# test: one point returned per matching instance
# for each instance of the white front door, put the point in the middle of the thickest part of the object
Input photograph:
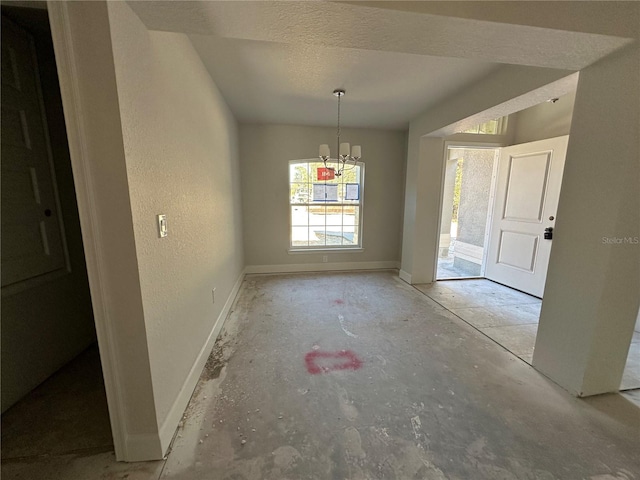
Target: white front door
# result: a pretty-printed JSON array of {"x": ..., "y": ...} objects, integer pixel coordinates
[
  {"x": 31, "y": 237},
  {"x": 526, "y": 201}
]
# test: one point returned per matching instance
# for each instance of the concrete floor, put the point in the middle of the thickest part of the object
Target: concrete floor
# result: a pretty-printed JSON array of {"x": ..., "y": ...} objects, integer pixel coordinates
[
  {"x": 447, "y": 270},
  {"x": 359, "y": 375},
  {"x": 509, "y": 317}
]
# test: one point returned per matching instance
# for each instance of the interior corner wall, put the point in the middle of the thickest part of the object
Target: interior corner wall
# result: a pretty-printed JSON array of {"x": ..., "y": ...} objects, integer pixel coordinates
[
  {"x": 181, "y": 148},
  {"x": 47, "y": 325},
  {"x": 592, "y": 293},
  {"x": 265, "y": 154},
  {"x": 84, "y": 57},
  {"x": 546, "y": 120},
  {"x": 421, "y": 233}
]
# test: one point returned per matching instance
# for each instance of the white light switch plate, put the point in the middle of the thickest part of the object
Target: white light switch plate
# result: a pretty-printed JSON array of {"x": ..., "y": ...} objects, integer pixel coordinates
[{"x": 162, "y": 226}]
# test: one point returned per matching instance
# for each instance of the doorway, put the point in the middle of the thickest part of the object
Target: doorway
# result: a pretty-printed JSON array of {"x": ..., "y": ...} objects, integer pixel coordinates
[
  {"x": 53, "y": 395},
  {"x": 469, "y": 178},
  {"x": 494, "y": 254}
]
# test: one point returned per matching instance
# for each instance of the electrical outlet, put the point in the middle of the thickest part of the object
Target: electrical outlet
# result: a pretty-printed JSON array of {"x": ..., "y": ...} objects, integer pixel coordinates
[
  {"x": 213, "y": 295},
  {"x": 325, "y": 258}
]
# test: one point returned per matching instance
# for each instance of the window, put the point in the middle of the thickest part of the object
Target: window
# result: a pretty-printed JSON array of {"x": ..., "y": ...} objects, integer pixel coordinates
[
  {"x": 492, "y": 127},
  {"x": 325, "y": 214}
]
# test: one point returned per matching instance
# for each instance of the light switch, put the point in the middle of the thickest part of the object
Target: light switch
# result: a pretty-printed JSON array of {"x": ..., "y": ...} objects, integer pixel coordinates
[{"x": 162, "y": 226}]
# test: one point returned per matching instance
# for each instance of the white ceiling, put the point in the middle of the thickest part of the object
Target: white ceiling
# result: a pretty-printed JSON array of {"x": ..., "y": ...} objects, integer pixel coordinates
[
  {"x": 268, "y": 82},
  {"x": 278, "y": 62}
]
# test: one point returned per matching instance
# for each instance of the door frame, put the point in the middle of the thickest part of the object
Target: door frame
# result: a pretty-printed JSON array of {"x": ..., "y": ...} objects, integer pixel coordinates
[
  {"x": 449, "y": 144},
  {"x": 72, "y": 101}
]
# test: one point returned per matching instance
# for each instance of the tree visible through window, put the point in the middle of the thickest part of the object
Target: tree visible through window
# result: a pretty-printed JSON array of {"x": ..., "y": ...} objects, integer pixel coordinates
[
  {"x": 325, "y": 213},
  {"x": 492, "y": 127}
]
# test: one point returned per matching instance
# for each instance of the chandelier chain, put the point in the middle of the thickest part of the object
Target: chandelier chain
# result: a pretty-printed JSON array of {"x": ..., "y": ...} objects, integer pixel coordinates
[{"x": 339, "y": 97}]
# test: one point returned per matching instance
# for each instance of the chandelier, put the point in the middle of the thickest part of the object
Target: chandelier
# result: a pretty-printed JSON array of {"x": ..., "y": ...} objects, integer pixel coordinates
[{"x": 347, "y": 157}]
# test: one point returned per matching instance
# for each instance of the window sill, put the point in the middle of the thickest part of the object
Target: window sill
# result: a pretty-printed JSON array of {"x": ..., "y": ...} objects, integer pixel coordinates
[{"x": 297, "y": 251}]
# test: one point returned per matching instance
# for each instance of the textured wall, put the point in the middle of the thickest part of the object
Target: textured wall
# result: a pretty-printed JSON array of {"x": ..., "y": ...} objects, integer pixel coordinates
[
  {"x": 477, "y": 169},
  {"x": 46, "y": 326},
  {"x": 265, "y": 153},
  {"x": 546, "y": 120},
  {"x": 180, "y": 144}
]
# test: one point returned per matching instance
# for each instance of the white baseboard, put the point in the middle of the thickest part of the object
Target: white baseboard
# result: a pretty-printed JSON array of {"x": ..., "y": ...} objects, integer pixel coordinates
[
  {"x": 468, "y": 252},
  {"x": 142, "y": 447},
  {"x": 405, "y": 276},
  {"x": 170, "y": 423},
  {"x": 322, "y": 267}
]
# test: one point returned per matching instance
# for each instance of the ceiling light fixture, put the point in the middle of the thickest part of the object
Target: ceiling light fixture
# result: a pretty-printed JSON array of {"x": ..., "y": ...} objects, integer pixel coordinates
[{"x": 347, "y": 157}]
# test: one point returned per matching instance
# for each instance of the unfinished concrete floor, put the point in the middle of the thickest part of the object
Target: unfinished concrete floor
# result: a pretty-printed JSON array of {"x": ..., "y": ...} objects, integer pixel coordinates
[
  {"x": 509, "y": 317},
  {"x": 361, "y": 376}
]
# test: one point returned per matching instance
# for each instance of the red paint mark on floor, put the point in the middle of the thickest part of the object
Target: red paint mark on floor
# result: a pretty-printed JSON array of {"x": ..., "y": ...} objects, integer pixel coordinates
[
  {"x": 324, "y": 362},
  {"x": 338, "y": 301}
]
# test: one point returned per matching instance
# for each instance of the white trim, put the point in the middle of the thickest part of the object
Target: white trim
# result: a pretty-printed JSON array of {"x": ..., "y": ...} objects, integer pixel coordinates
[
  {"x": 468, "y": 252},
  {"x": 322, "y": 267},
  {"x": 405, "y": 276},
  {"x": 490, "y": 210},
  {"x": 460, "y": 143},
  {"x": 63, "y": 45},
  {"x": 141, "y": 446},
  {"x": 436, "y": 251},
  {"x": 453, "y": 144},
  {"x": 295, "y": 251},
  {"x": 170, "y": 424},
  {"x": 360, "y": 205}
]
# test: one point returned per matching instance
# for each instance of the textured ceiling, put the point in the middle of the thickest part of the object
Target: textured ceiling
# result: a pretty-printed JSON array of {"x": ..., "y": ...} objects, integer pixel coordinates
[
  {"x": 286, "y": 83},
  {"x": 278, "y": 62}
]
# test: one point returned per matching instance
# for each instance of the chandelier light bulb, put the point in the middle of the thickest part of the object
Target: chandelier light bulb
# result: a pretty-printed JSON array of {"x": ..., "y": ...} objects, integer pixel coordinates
[
  {"x": 324, "y": 151},
  {"x": 345, "y": 151},
  {"x": 356, "y": 151}
]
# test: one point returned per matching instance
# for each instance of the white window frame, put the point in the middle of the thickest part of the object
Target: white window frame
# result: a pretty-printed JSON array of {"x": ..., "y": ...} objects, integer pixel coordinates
[
  {"x": 295, "y": 249},
  {"x": 501, "y": 127}
]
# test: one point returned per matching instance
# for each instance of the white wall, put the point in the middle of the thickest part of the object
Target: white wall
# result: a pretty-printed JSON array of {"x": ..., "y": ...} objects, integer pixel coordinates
[
  {"x": 591, "y": 296},
  {"x": 180, "y": 142},
  {"x": 546, "y": 120},
  {"x": 266, "y": 151}
]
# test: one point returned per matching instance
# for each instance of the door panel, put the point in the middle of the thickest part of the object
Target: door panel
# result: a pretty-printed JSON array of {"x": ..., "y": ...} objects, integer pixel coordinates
[
  {"x": 518, "y": 250},
  {"x": 31, "y": 234},
  {"x": 526, "y": 200},
  {"x": 526, "y": 184}
]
